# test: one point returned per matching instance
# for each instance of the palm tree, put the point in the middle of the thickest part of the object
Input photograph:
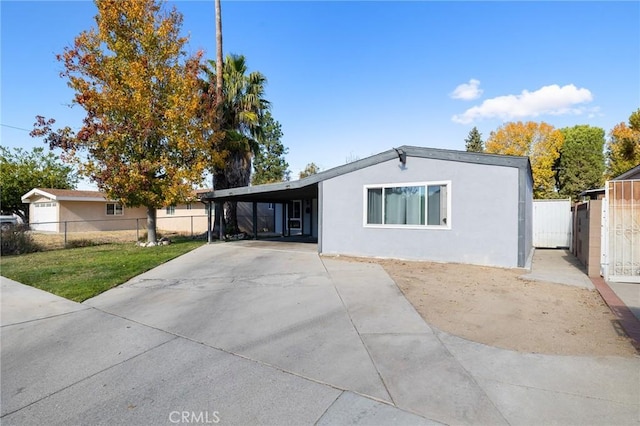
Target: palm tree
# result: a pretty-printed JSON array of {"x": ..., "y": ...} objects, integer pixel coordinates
[{"x": 239, "y": 116}]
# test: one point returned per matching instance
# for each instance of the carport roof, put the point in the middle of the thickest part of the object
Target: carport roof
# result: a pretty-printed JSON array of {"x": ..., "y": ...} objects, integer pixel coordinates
[{"x": 307, "y": 188}]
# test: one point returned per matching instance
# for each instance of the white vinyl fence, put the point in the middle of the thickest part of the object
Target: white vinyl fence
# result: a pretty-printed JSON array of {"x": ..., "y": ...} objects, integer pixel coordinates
[{"x": 552, "y": 223}]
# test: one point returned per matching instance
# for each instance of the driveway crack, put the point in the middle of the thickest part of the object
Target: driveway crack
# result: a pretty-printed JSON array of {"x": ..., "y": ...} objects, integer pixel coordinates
[{"x": 386, "y": 388}]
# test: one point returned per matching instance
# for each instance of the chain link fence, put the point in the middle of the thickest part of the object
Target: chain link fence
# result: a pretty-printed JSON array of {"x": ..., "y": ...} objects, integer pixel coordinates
[{"x": 79, "y": 233}]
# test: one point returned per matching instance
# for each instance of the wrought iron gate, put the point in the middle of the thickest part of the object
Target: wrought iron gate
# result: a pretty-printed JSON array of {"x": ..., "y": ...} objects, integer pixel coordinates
[{"x": 621, "y": 231}]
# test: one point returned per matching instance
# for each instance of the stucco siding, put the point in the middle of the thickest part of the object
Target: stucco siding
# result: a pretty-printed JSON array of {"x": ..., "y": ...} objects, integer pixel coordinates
[
  {"x": 83, "y": 216},
  {"x": 184, "y": 219},
  {"x": 483, "y": 216}
]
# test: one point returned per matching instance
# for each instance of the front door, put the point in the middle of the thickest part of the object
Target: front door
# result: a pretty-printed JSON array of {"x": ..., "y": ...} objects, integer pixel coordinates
[{"x": 295, "y": 217}]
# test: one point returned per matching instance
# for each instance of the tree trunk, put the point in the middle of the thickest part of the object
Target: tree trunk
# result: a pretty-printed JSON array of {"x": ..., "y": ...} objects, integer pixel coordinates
[
  {"x": 237, "y": 174},
  {"x": 151, "y": 225},
  {"x": 231, "y": 209},
  {"x": 218, "y": 227},
  {"x": 219, "y": 64}
]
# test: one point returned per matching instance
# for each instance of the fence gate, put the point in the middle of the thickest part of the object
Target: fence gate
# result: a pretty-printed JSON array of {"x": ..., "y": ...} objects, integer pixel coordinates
[
  {"x": 621, "y": 231},
  {"x": 551, "y": 223}
]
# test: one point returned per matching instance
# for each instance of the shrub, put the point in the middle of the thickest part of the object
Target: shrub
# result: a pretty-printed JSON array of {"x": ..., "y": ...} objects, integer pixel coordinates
[{"x": 17, "y": 240}]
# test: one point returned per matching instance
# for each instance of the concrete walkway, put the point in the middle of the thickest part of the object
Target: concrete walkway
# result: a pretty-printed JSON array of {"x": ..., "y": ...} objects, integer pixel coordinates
[
  {"x": 558, "y": 266},
  {"x": 265, "y": 333}
]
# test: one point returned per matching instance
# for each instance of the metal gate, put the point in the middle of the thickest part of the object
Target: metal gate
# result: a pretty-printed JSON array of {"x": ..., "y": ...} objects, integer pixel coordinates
[
  {"x": 552, "y": 223},
  {"x": 621, "y": 231}
]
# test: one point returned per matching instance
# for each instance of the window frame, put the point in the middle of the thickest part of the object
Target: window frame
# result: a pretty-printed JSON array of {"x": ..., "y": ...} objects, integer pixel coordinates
[
  {"x": 115, "y": 209},
  {"x": 170, "y": 211},
  {"x": 425, "y": 184}
]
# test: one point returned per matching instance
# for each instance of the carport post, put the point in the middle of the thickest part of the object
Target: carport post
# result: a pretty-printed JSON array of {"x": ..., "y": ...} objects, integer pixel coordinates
[
  {"x": 137, "y": 230},
  {"x": 284, "y": 218},
  {"x": 255, "y": 220},
  {"x": 65, "y": 234},
  {"x": 221, "y": 209},
  {"x": 209, "y": 223}
]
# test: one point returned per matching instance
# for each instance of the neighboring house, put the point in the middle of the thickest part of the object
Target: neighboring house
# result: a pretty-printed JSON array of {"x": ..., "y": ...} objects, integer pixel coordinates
[
  {"x": 410, "y": 203},
  {"x": 190, "y": 218},
  {"x": 83, "y": 211},
  {"x": 607, "y": 229}
]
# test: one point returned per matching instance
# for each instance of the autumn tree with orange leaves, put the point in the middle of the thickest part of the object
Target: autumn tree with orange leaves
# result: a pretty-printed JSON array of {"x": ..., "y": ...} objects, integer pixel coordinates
[
  {"x": 623, "y": 147},
  {"x": 541, "y": 142},
  {"x": 140, "y": 141}
]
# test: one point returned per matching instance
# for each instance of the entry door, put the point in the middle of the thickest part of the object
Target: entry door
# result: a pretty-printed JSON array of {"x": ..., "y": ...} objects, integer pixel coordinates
[{"x": 295, "y": 217}]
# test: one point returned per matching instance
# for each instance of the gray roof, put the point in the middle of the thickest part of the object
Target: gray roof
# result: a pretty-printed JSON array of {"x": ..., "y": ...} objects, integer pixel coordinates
[
  {"x": 630, "y": 174},
  {"x": 307, "y": 187}
]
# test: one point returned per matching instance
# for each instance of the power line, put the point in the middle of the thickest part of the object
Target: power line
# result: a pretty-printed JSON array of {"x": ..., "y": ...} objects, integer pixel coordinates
[{"x": 14, "y": 127}]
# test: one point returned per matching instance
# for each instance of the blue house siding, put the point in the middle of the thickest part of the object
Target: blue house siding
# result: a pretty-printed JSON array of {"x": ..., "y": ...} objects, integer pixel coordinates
[{"x": 485, "y": 214}]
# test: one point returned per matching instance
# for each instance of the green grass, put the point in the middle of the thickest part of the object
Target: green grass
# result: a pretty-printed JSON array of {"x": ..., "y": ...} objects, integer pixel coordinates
[{"x": 81, "y": 273}]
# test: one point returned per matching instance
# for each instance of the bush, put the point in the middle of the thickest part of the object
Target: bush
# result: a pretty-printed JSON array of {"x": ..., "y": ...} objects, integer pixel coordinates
[{"x": 17, "y": 240}]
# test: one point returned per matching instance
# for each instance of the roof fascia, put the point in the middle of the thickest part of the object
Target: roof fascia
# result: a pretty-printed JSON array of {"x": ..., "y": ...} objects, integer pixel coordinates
[
  {"x": 26, "y": 197},
  {"x": 628, "y": 173}
]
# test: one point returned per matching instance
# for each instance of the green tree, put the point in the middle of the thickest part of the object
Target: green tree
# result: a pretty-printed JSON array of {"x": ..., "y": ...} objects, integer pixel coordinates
[
  {"x": 310, "y": 169},
  {"x": 623, "y": 148},
  {"x": 581, "y": 162},
  {"x": 474, "y": 142},
  {"x": 21, "y": 171},
  {"x": 269, "y": 164},
  {"x": 139, "y": 141},
  {"x": 541, "y": 142}
]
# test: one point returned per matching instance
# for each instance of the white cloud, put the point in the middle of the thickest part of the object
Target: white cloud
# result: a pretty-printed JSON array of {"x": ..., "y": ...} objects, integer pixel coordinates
[
  {"x": 553, "y": 100},
  {"x": 467, "y": 91}
]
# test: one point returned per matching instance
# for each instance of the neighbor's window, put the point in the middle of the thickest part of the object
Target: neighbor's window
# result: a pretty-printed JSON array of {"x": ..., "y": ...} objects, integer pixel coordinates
[
  {"x": 189, "y": 207},
  {"x": 114, "y": 209},
  {"x": 171, "y": 210},
  {"x": 424, "y": 204}
]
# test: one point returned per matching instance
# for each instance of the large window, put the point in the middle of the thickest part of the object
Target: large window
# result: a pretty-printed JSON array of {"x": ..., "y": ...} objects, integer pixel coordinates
[
  {"x": 171, "y": 210},
  {"x": 114, "y": 209},
  {"x": 411, "y": 205}
]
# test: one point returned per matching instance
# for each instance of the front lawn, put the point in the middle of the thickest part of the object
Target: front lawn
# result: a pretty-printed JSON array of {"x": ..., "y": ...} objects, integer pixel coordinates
[{"x": 81, "y": 273}]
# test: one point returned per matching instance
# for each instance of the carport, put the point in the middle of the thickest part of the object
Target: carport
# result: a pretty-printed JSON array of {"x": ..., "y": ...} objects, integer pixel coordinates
[{"x": 296, "y": 204}]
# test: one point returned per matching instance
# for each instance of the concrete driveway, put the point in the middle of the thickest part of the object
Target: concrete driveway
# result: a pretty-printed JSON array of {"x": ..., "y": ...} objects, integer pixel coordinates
[{"x": 271, "y": 333}]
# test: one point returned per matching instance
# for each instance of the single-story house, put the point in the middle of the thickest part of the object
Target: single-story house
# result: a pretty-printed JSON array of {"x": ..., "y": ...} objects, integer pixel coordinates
[
  {"x": 51, "y": 210},
  {"x": 82, "y": 211},
  {"x": 410, "y": 203}
]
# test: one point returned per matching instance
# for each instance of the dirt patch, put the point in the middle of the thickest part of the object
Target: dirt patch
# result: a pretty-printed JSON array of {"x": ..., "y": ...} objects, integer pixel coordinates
[{"x": 495, "y": 307}]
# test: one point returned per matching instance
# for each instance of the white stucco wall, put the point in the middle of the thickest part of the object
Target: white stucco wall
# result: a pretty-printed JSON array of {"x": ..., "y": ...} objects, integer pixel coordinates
[{"x": 483, "y": 216}]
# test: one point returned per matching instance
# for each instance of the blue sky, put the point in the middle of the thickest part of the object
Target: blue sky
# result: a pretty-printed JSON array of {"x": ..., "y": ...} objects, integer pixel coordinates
[{"x": 351, "y": 79}]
